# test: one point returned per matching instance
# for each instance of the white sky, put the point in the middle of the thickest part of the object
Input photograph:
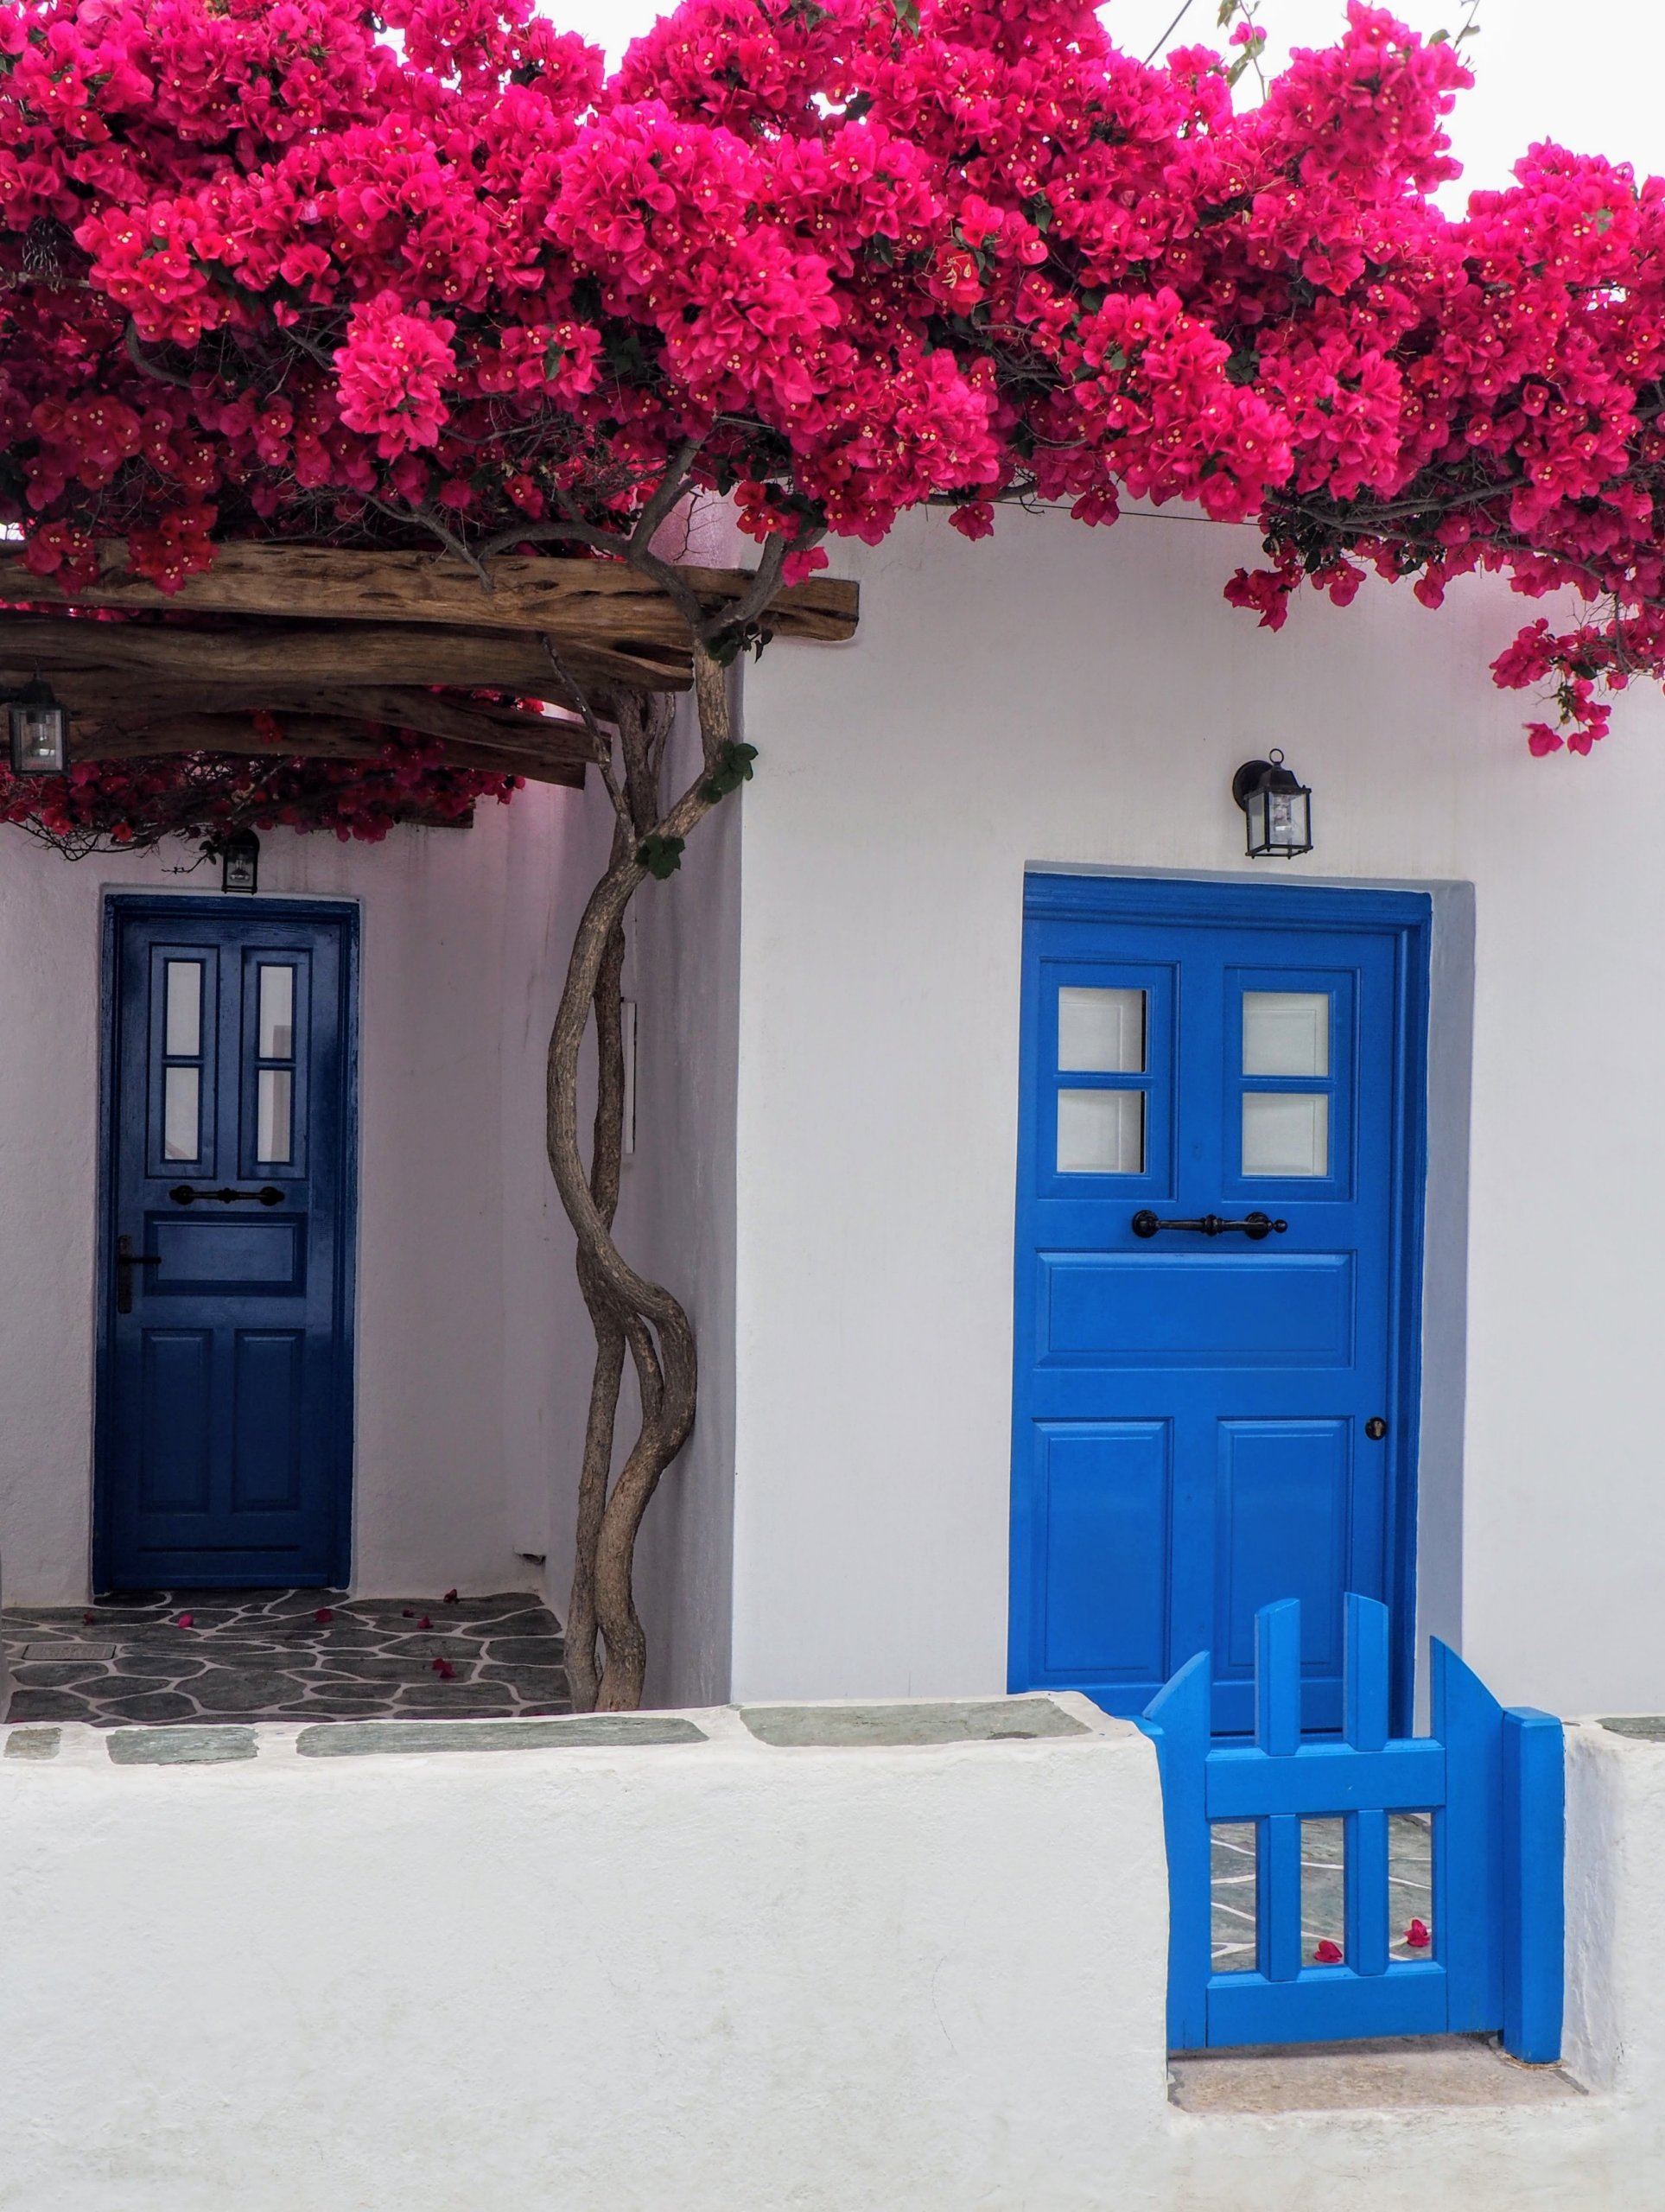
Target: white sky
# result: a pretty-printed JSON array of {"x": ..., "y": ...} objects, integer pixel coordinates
[{"x": 1586, "y": 73}]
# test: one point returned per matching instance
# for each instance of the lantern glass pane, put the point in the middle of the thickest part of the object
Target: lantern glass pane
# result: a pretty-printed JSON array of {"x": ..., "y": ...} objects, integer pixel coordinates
[
  {"x": 37, "y": 738},
  {"x": 1254, "y": 809},
  {"x": 1283, "y": 813}
]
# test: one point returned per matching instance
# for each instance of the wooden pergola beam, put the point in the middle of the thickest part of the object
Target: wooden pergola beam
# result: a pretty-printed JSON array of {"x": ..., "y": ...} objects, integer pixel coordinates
[
  {"x": 133, "y": 702},
  {"x": 592, "y": 603},
  {"x": 305, "y": 653},
  {"x": 304, "y": 737}
]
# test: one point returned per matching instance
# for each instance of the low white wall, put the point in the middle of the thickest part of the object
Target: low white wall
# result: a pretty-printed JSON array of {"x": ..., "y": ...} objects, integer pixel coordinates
[
  {"x": 714, "y": 1975},
  {"x": 466, "y": 1320},
  {"x": 1068, "y": 697}
]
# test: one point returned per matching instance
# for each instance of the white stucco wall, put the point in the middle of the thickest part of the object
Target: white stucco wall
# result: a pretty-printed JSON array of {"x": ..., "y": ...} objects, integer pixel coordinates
[
  {"x": 714, "y": 1975},
  {"x": 1078, "y": 698},
  {"x": 677, "y": 1217},
  {"x": 465, "y": 1319}
]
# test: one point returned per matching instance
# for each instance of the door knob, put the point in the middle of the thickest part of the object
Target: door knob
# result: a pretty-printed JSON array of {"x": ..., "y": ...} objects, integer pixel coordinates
[
  {"x": 1375, "y": 1428},
  {"x": 126, "y": 1260}
]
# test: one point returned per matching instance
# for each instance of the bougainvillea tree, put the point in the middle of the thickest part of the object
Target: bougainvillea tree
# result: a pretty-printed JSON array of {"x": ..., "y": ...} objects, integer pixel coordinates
[{"x": 426, "y": 278}]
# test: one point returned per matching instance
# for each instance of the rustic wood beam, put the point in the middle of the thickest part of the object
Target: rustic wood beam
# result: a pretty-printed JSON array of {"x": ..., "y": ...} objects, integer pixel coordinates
[
  {"x": 304, "y": 737},
  {"x": 117, "y": 696},
  {"x": 576, "y": 601},
  {"x": 304, "y": 653},
  {"x": 128, "y": 701}
]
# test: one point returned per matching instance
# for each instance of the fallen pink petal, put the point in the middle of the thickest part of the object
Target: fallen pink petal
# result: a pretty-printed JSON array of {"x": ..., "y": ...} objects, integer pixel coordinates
[
  {"x": 424, "y": 1621},
  {"x": 323, "y": 1616},
  {"x": 445, "y": 1670},
  {"x": 451, "y": 1596},
  {"x": 1417, "y": 1936},
  {"x": 1328, "y": 1954},
  {"x": 185, "y": 1620}
]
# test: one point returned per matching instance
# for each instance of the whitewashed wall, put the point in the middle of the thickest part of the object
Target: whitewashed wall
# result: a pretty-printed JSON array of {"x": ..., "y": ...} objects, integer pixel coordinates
[
  {"x": 466, "y": 1319},
  {"x": 713, "y": 1975},
  {"x": 1069, "y": 697}
]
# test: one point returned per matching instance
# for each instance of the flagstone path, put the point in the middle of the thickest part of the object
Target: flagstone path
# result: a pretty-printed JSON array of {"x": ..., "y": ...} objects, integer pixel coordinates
[{"x": 285, "y": 1654}]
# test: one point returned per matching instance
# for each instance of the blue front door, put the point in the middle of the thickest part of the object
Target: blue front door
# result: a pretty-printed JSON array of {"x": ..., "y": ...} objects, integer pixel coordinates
[
  {"x": 1217, "y": 1225},
  {"x": 225, "y": 1453}
]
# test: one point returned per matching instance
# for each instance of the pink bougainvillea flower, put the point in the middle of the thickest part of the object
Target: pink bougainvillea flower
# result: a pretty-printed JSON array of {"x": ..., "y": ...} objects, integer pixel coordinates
[
  {"x": 1328, "y": 1954},
  {"x": 1417, "y": 1936}
]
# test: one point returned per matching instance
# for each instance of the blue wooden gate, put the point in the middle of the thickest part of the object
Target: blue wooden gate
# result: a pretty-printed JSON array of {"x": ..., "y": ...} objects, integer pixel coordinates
[{"x": 1490, "y": 1779}]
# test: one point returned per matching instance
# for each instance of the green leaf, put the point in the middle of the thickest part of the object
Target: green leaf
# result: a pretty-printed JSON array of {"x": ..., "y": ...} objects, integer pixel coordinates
[
  {"x": 661, "y": 856},
  {"x": 908, "y": 13},
  {"x": 733, "y": 768}
]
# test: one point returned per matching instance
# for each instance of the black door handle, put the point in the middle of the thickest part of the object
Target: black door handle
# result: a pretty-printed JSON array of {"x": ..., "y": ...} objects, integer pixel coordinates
[
  {"x": 1255, "y": 1226},
  {"x": 186, "y": 1194},
  {"x": 126, "y": 1260}
]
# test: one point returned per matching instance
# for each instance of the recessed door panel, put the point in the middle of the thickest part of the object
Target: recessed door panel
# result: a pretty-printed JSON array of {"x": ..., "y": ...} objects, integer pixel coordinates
[
  {"x": 1217, "y": 1288},
  {"x": 1196, "y": 1309},
  {"x": 176, "y": 1419},
  {"x": 1281, "y": 1514},
  {"x": 225, "y": 1419},
  {"x": 269, "y": 1385},
  {"x": 1103, "y": 1533}
]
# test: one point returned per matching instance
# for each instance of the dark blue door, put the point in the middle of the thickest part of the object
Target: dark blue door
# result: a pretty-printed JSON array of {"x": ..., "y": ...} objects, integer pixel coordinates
[
  {"x": 225, "y": 1447},
  {"x": 1211, "y": 1417}
]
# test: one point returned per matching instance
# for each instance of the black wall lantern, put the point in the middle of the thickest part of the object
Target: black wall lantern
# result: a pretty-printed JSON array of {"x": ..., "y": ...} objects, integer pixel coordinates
[
  {"x": 39, "y": 731},
  {"x": 1279, "y": 808},
  {"x": 240, "y": 862}
]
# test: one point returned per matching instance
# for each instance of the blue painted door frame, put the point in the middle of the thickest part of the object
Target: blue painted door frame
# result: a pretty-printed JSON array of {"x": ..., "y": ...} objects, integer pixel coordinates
[
  {"x": 1198, "y": 1417},
  {"x": 224, "y": 1453}
]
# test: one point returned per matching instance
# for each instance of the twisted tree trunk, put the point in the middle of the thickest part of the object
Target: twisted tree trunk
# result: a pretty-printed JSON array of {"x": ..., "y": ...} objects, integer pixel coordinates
[{"x": 607, "y": 1648}]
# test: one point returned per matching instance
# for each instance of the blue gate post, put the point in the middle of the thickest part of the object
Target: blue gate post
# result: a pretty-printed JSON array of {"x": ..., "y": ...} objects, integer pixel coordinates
[
  {"x": 1534, "y": 1904},
  {"x": 1179, "y": 1719}
]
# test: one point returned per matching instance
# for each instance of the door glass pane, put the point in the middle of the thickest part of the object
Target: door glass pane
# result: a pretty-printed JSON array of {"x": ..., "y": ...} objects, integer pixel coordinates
[
  {"x": 1286, "y": 1133},
  {"x": 183, "y": 1024},
  {"x": 1286, "y": 1033},
  {"x": 1101, "y": 1132},
  {"x": 179, "y": 1090},
  {"x": 1099, "y": 1033},
  {"x": 276, "y": 1014},
  {"x": 272, "y": 1115}
]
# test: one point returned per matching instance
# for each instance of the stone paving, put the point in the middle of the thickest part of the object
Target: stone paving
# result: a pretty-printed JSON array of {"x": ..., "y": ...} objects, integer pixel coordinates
[
  {"x": 182, "y": 1657},
  {"x": 1410, "y": 1889}
]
